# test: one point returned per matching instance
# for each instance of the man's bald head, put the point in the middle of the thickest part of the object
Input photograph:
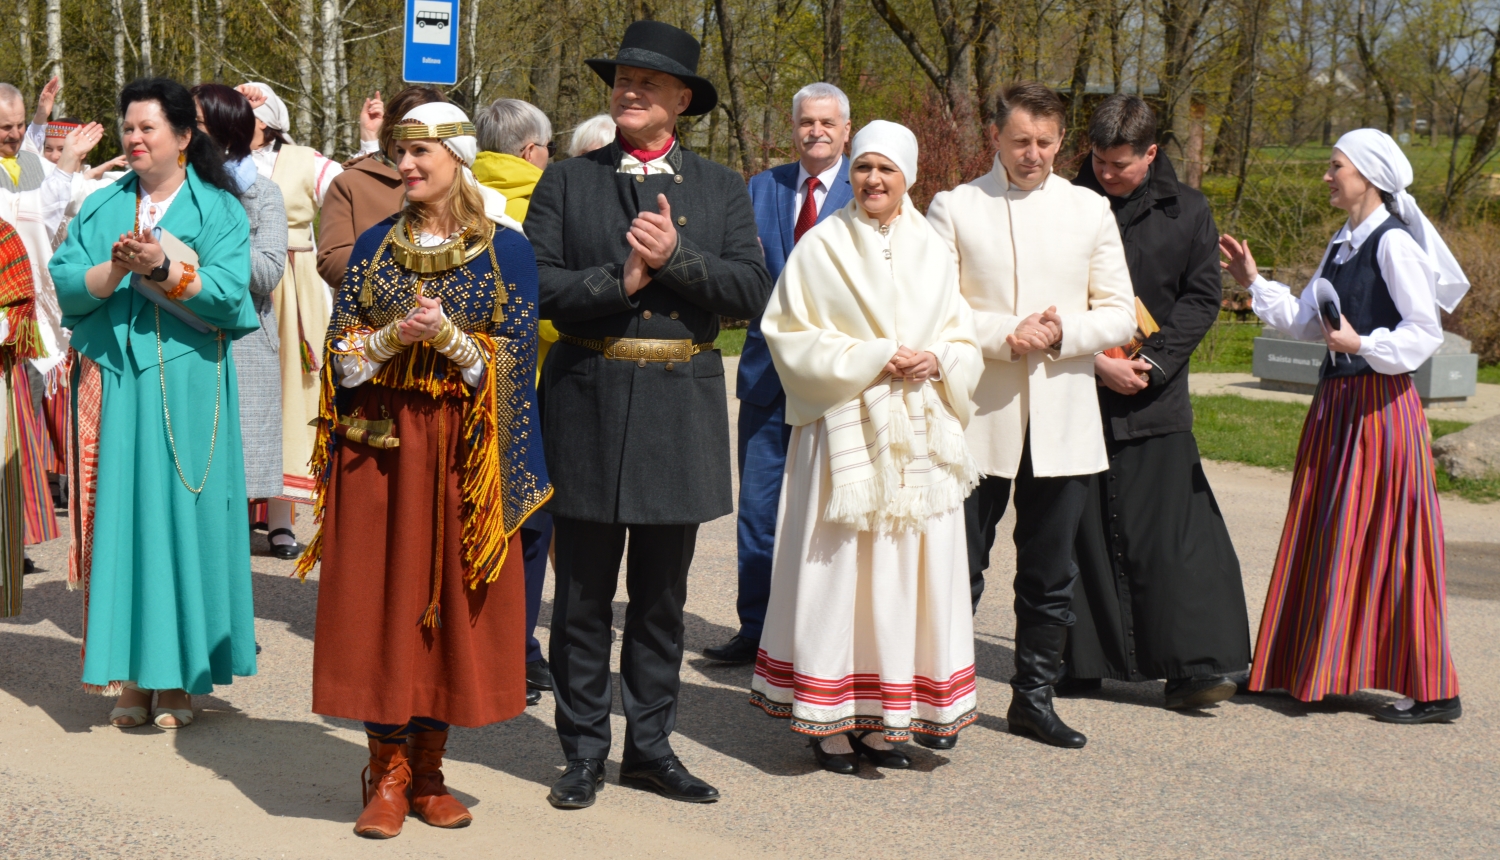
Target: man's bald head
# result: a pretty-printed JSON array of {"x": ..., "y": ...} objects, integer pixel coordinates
[{"x": 12, "y": 120}]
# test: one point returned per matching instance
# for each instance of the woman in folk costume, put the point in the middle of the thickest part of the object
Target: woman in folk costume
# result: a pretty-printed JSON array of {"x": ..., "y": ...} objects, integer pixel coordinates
[
  {"x": 20, "y": 340},
  {"x": 869, "y": 635},
  {"x": 154, "y": 281},
  {"x": 301, "y": 303},
  {"x": 429, "y": 421},
  {"x": 226, "y": 116},
  {"x": 1358, "y": 595}
]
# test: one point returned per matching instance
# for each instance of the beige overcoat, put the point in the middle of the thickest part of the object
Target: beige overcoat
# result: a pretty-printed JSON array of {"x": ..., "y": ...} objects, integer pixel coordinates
[{"x": 1020, "y": 252}]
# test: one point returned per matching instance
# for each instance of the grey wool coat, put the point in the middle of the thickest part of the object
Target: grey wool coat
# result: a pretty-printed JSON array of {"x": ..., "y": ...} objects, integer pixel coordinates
[
  {"x": 257, "y": 367},
  {"x": 625, "y": 442}
]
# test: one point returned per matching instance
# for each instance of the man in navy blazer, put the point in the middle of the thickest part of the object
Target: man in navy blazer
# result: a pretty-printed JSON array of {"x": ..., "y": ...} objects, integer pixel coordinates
[{"x": 788, "y": 201}]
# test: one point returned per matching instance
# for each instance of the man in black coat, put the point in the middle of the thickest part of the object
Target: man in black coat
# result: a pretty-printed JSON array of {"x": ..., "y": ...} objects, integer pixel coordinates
[
  {"x": 641, "y": 247},
  {"x": 1161, "y": 594}
]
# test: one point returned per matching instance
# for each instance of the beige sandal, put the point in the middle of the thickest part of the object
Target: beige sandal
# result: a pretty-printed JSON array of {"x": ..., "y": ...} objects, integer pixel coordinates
[
  {"x": 183, "y": 716},
  {"x": 133, "y": 717}
]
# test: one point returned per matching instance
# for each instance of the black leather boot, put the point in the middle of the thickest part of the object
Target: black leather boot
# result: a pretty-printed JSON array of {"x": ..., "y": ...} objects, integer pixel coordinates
[{"x": 1038, "y": 665}]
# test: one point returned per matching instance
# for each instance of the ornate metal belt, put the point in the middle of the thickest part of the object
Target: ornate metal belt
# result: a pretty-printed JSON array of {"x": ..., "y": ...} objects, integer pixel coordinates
[{"x": 640, "y": 349}]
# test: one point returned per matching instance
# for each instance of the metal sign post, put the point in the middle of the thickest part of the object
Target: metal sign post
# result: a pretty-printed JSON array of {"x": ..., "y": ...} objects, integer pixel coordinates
[{"x": 431, "y": 52}]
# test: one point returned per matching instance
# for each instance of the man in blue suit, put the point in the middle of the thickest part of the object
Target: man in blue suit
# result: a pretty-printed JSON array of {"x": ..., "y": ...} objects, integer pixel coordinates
[{"x": 788, "y": 200}]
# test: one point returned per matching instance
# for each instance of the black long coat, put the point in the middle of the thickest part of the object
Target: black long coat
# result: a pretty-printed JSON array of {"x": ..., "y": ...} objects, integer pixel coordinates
[
  {"x": 1172, "y": 249},
  {"x": 628, "y": 443}
]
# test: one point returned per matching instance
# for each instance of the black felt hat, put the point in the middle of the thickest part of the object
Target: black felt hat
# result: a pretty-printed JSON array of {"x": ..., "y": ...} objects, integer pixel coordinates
[{"x": 663, "y": 48}]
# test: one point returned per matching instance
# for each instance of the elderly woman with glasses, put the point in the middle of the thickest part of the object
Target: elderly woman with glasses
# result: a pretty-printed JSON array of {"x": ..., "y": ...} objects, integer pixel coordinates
[{"x": 427, "y": 463}]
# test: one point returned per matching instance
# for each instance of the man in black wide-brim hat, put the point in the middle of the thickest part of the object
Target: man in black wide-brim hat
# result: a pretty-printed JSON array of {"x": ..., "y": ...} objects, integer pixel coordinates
[{"x": 641, "y": 247}]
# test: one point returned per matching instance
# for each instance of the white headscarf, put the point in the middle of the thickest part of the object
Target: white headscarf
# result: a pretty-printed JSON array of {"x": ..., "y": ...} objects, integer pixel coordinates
[
  {"x": 273, "y": 111},
  {"x": 466, "y": 148},
  {"x": 1377, "y": 157},
  {"x": 892, "y": 140}
]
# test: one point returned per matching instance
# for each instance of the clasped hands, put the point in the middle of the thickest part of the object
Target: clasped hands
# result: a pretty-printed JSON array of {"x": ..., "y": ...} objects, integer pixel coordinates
[
  {"x": 907, "y": 363},
  {"x": 1240, "y": 264},
  {"x": 1036, "y": 332},
  {"x": 653, "y": 240},
  {"x": 422, "y": 322}
]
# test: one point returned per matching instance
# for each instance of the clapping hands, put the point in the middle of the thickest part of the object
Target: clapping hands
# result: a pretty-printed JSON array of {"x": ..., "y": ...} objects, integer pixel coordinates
[
  {"x": 138, "y": 252},
  {"x": 653, "y": 240}
]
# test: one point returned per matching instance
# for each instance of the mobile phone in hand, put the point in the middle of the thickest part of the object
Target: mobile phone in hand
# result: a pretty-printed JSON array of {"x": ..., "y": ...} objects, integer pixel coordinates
[{"x": 1331, "y": 314}]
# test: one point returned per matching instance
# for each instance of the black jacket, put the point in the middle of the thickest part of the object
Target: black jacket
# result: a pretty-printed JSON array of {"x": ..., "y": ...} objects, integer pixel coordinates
[
  {"x": 628, "y": 443},
  {"x": 1172, "y": 249}
]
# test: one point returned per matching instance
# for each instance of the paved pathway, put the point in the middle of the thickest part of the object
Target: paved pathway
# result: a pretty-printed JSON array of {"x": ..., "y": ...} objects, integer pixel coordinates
[{"x": 259, "y": 776}]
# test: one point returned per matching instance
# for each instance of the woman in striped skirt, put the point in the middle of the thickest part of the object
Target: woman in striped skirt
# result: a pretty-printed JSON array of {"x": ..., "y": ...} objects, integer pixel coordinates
[{"x": 1357, "y": 597}]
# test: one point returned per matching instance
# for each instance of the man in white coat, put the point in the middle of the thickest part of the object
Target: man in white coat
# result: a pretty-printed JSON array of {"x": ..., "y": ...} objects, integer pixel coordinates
[{"x": 1042, "y": 265}]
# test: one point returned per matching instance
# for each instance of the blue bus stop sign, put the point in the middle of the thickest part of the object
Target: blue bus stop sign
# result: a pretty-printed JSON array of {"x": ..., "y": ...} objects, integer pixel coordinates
[{"x": 431, "y": 54}]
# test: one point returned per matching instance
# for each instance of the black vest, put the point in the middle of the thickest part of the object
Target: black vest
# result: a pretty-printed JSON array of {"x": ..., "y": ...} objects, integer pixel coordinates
[{"x": 1364, "y": 298}]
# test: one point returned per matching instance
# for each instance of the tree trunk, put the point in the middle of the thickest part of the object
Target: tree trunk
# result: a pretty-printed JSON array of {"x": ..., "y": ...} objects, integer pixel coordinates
[
  {"x": 1364, "y": 46},
  {"x": 546, "y": 76},
  {"x": 1227, "y": 140},
  {"x": 1485, "y": 137},
  {"x": 986, "y": 58},
  {"x": 737, "y": 103},
  {"x": 833, "y": 41},
  {"x": 477, "y": 82},
  {"x": 145, "y": 55},
  {"x": 1079, "y": 82},
  {"x": 306, "y": 16},
  {"x": 332, "y": 36},
  {"x": 28, "y": 70},
  {"x": 218, "y": 39},
  {"x": 55, "y": 54},
  {"x": 954, "y": 79},
  {"x": 197, "y": 46},
  {"x": 1181, "y": 21},
  {"x": 117, "y": 13},
  {"x": 1248, "y": 126},
  {"x": 348, "y": 128}
]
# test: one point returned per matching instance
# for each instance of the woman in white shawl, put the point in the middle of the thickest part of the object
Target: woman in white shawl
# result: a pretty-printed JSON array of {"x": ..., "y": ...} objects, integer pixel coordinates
[{"x": 869, "y": 635}]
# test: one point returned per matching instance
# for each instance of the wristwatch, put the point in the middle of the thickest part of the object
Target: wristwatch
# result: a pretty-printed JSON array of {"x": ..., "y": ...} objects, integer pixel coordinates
[{"x": 159, "y": 273}]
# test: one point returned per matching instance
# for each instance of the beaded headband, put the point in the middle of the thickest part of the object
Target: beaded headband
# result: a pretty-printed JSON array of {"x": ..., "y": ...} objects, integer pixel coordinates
[
  {"x": 61, "y": 129},
  {"x": 412, "y": 130}
]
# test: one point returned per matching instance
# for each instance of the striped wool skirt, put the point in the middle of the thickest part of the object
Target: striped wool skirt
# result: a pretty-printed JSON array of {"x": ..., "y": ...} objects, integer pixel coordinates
[{"x": 1358, "y": 596}]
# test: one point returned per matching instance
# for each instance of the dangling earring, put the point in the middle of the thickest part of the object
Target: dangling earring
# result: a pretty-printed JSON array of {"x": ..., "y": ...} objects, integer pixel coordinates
[{"x": 182, "y": 159}]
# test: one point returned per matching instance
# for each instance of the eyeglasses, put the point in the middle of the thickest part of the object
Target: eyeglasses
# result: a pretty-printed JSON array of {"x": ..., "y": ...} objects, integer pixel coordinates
[{"x": 550, "y": 146}]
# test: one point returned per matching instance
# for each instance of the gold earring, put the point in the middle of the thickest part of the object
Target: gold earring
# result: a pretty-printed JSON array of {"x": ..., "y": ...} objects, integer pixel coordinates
[{"x": 182, "y": 159}]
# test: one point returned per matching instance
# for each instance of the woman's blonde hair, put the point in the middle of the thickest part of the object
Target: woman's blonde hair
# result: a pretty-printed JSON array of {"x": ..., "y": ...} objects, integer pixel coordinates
[{"x": 463, "y": 202}]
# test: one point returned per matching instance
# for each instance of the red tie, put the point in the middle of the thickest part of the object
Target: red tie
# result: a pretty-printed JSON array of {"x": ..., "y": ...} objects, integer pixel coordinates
[{"x": 809, "y": 214}]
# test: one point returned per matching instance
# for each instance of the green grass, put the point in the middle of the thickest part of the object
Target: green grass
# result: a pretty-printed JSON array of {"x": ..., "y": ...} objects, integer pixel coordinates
[
  {"x": 1265, "y": 433},
  {"x": 730, "y": 341},
  {"x": 1227, "y": 348},
  {"x": 1490, "y": 374}
]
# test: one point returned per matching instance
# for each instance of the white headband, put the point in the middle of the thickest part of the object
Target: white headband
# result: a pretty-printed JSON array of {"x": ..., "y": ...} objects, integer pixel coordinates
[{"x": 444, "y": 118}]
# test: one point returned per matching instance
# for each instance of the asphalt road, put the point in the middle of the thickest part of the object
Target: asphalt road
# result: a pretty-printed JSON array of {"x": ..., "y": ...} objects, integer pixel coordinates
[{"x": 258, "y": 775}]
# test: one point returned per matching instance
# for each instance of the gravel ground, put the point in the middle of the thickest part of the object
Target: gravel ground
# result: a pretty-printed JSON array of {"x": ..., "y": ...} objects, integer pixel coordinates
[{"x": 259, "y": 776}]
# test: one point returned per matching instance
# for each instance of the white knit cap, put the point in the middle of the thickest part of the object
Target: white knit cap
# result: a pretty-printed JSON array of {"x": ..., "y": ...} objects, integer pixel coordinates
[
  {"x": 892, "y": 140},
  {"x": 466, "y": 148},
  {"x": 273, "y": 111},
  {"x": 1380, "y": 160}
]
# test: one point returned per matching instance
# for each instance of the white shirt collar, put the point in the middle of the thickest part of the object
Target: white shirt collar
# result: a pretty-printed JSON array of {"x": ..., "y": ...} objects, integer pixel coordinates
[
  {"x": 825, "y": 179},
  {"x": 1358, "y": 235}
]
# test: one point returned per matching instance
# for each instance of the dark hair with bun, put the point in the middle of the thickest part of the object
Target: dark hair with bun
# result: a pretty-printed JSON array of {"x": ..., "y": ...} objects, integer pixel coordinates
[
  {"x": 182, "y": 114},
  {"x": 228, "y": 117}
]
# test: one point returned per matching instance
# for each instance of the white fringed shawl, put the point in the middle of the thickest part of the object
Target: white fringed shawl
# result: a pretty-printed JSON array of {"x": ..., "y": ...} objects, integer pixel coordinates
[{"x": 840, "y": 310}]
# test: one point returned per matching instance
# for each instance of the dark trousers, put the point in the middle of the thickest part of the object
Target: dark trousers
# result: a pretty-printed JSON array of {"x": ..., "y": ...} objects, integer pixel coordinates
[
  {"x": 587, "y": 572},
  {"x": 763, "y": 439},
  {"x": 1047, "y": 513},
  {"x": 536, "y": 538}
]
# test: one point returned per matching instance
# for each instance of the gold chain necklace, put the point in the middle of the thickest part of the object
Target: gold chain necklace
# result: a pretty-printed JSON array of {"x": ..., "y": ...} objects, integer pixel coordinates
[{"x": 161, "y": 368}]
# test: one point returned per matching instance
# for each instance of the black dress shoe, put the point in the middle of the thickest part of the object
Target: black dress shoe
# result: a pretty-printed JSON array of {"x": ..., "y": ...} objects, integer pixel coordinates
[
  {"x": 736, "y": 651},
  {"x": 285, "y": 551},
  {"x": 669, "y": 778},
  {"x": 893, "y": 758},
  {"x": 1435, "y": 711},
  {"x": 840, "y": 763},
  {"x": 1077, "y": 687},
  {"x": 538, "y": 675},
  {"x": 935, "y": 742},
  {"x": 533, "y": 697},
  {"x": 1198, "y": 692},
  {"x": 579, "y": 784},
  {"x": 29, "y": 566}
]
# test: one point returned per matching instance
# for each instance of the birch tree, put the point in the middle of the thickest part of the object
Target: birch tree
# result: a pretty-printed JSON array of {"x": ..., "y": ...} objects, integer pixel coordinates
[
  {"x": 305, "y": 19},
  {"x": 55, "y": 54},
  {"x": 28, "y": 69},
  {"x": 332, "y": 36},
  {"x": 145, "y": 52}
]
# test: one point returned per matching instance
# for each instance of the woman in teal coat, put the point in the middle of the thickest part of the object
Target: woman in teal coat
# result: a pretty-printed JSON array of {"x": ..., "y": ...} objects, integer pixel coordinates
[{"x": 159, "y": 538}]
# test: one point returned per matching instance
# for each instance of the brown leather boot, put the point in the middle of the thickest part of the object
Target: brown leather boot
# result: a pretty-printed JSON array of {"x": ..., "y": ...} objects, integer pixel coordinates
[
  {"x": 385, "y": 792},
  {"x": 429, "y": 797}
]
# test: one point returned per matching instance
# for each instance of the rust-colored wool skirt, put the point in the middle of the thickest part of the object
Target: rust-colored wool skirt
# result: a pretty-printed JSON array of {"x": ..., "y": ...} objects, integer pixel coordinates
[{"x": 373, "y": 659}]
